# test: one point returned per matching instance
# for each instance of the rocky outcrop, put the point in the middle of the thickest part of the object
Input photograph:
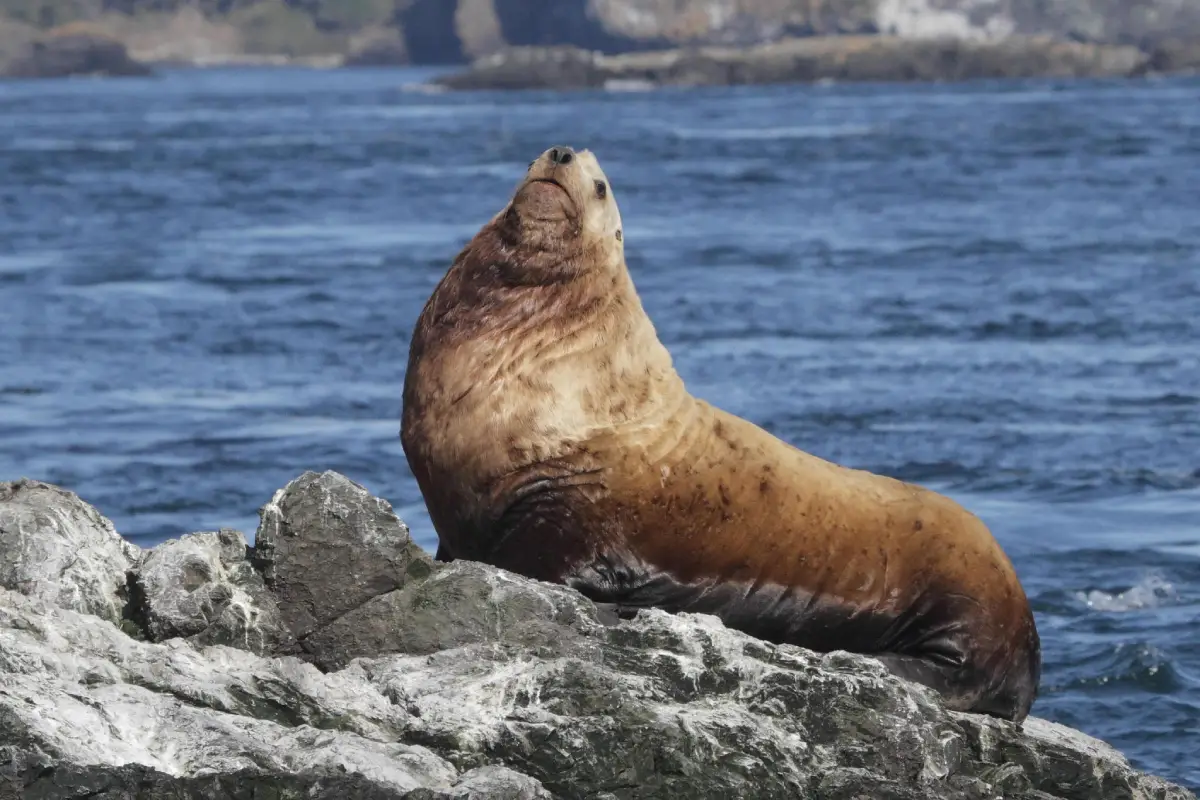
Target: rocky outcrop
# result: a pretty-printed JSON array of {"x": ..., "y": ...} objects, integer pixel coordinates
[
  {"x": 62, "y": 55},
  {"x": 404, "y": 678},
  {"x": 1177, "y": 54},
  {"x": 14, "y": 39},
  {"x": 328, "y": 548},
  {"x": 862, "y": 58},
  {"x": 202, "y": 588},
  {"x": 378, "y": 48},
  {"x": 384, "y": 32},
  {"x": 448, "y": 28},
  {"x": 55, "y": 547}
]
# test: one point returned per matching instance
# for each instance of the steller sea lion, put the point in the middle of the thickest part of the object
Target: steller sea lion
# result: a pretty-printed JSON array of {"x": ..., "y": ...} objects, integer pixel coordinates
[{"x": 551, "y": 436}]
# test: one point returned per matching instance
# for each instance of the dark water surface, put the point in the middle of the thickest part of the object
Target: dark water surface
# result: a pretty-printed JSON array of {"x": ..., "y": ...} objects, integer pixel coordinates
[{"x": 207, "y": 284}]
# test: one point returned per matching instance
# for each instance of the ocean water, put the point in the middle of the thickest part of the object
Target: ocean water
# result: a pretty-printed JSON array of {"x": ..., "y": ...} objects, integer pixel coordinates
[{"x": 208, "y": 281}]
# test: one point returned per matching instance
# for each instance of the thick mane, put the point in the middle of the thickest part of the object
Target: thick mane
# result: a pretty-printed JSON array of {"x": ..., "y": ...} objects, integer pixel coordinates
[{"x": 498, "y": 283}]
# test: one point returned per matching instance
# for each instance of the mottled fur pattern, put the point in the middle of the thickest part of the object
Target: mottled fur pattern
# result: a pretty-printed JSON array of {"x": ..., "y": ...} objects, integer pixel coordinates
[{"x": 550, "y": 435}]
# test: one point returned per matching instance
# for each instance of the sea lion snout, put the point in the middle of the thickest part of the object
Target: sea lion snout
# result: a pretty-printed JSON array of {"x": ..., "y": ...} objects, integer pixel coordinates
[
  {"x": 548, "y": 191},
  {"x": 561, "y": 155}
]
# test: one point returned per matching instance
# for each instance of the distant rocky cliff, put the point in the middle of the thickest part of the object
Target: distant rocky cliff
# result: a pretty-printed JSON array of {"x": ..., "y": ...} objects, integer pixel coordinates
[
  {"x": 612, "y": 26},
  {"x": 456, "y": 31}
]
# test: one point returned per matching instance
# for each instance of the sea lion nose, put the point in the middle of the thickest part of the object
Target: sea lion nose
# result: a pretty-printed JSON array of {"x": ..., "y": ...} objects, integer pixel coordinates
[{"x": 561, "y": 155}]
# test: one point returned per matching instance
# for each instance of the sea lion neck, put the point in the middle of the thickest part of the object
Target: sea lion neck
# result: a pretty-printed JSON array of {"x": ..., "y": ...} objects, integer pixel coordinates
[
  {"x": 526, "y": 250},
  {"x": 571, "y": 333},
  {"x": 503, "y": 282}
]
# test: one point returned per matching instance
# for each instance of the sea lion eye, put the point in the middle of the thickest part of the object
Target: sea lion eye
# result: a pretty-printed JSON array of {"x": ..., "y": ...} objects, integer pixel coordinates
[
  {"x": 619, "y": 236},
  {"x": 601, "y": 189}
]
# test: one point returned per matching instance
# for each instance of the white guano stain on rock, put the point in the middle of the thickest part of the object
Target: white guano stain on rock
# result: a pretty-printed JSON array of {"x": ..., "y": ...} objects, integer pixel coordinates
[
  {"x": 470, "y": 682},
  {"x": 59, "y": 548}
]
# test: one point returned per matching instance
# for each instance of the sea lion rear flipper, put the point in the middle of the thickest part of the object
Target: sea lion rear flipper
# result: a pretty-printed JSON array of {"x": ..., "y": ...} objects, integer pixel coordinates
[
  {"x": 961, "y": 687},
  {"x": 946, "y": 679}
]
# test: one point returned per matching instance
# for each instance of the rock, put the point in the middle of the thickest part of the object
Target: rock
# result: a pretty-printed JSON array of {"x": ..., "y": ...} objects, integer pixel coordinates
[
  {"x": 469, "y": 604},
  {"x": 58, "y": 56},
  {"x": 34, "y": 776},
  {"x": 1175, "y": 55},
  {"x": 848, "y": 58},
  {"x": 75, "y": 686},
  {"x": 185, "y": 37},
  {"x": 58, "y": 548},
  {"x": 14, "y": 39},
  {"x": 557, "y": 68},
  {"x": 325, "y": 547},
  {"x": 37, "y": 777},
  {"x": 380, "y": 48},
  {"x": 478, "y": 29},
  {"x": 201, "y": 587},
  {"x": 448, "y": 30},
  {"x": 429, "y": 31},
  {"x": 377, "y": 32},
  {"x": 1111, "y": 21},
  {"x": 464, "y": 681}
]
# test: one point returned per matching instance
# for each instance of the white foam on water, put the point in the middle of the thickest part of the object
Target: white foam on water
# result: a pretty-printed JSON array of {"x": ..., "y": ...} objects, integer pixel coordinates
[
  {"x": 773, "y": 133},
  {"x": 53, "y": 145},
  {"x": 628, "y": 85},
  {"x": 1151, "y": 592}
]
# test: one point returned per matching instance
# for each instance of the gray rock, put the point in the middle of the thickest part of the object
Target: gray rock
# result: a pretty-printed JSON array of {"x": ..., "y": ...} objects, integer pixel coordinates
[
  {"x": 384, "y": 49},
  {"x": 326, "y": 546},
  {"x": 59, "y": 56},
  {"x": 802, "y": 60},
  {"x": 75, "y": 686},
  {"x": 464, "y": 604},
  {"x": 679, "y": 706},
  {"x": 202, "y": 587},
  {"x": 464, "y": 681},
  {"x": 58, "y": 548},
  {"x": 35, "y": 776},
  {"x": 497, "y": 783},
  {"x": 1176, "y": 54},
  {"x": 450, "y": 31}
]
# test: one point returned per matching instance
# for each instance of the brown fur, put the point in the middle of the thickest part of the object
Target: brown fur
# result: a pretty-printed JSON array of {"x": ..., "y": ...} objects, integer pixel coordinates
[{"x": 550, "y": 435}]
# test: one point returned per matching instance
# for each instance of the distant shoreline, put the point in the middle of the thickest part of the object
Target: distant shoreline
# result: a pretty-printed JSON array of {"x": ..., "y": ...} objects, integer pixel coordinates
[
  {"x": 837, "y": 59},
  {"x": 800, "y": 61}
]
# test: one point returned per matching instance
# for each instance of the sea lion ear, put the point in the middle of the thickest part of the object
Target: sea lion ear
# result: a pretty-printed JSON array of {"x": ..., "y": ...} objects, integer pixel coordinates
[{"x": 620, "y": 237}]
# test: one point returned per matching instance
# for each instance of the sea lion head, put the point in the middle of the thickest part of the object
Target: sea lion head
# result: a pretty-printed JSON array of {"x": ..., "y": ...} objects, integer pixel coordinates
[{"x": 565, "y": 204}]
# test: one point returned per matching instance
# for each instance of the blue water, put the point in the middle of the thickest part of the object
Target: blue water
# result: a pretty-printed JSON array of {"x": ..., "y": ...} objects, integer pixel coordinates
[{"x": 208, "y": 280}]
